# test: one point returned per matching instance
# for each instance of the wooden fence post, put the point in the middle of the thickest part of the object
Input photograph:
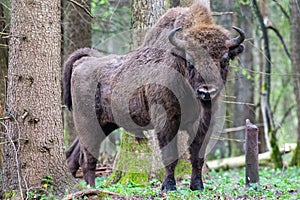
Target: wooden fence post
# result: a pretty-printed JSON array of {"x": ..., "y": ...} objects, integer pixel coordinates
[{"x": 251, "y": 153}]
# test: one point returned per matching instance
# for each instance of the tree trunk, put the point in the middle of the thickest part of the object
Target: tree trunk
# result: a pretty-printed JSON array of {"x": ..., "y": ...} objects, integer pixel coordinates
[
  {"x": 4, "y": 21},
  {"x": 223, "y": 149},
  {"x": 77, "y": 33},
  {"x": 266, "y": 90},
  {"x": 206, "y": 3},
  {"x": 174, "y": 3},
  {"x": 244, "y": 84},
  {"x": 295, "y": 41},
  {"x": 144, "y": 15},
  {"x": 35, "y": 143},
  {"x": 3, "y": 54}
]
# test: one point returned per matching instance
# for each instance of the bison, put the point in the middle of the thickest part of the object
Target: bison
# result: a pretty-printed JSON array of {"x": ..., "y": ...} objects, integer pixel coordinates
[{"x": 172, "y": 81}]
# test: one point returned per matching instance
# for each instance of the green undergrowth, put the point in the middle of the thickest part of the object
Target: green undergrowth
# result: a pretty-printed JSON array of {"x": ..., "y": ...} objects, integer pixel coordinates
[{"x": 274, "y": 184}]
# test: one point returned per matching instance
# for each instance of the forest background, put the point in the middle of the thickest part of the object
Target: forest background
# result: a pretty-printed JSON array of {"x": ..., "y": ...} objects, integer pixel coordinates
[{"x": 263, "y": 85}]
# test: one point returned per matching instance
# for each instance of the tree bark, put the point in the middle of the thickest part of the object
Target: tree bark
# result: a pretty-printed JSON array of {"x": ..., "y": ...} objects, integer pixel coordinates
[
  {"x": 3, "y": 53},
  {"x": 295, "y": 41},
  {"x": 225, "y": 148},
  {"x": 144, "y": 15},
  {"x": 77, "y": 33},
  {"x": 34, "y": 99},
  {"x": 4, "y": 21},
  {"x": 244, "y": 84}
]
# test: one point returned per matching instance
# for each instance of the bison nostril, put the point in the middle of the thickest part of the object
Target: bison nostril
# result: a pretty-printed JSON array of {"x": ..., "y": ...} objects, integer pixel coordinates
[
  {"x": 203, "y": 94},
  {"x": 206, "y": 94}
]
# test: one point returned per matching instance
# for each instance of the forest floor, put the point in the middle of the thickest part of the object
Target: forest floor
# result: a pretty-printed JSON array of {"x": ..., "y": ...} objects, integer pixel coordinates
[{"x": 227, "y": 185}]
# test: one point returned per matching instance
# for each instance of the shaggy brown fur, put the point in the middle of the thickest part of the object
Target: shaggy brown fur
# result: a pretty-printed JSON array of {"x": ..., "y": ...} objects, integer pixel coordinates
[{"x": 203, "y": 62}]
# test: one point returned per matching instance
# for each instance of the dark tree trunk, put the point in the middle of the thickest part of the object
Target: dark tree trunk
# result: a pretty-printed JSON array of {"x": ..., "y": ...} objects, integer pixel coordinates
[
  {"x": 4, "y": 21},
  {"x": 225, "y": 21},
  {"x": 244, "y": 84},
  {"x": 144, "y": 15},
  {"x": 266, "y": 90},
  {"x": 295, "y": 41},
  {"x": 3, "y": 54},
  {"x": 77, "y": 29}
]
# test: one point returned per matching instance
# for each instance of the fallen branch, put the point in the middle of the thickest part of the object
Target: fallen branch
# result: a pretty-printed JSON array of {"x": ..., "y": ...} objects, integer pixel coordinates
[
  {"x": 3, "y": 33},
  {"x": 94, "y": 192},
  {"x": 222, "y": 13},
  {"x": 239, "y": 161},
  {"x": 239, "y": 128},
  {"x": 99, "y": 172},
  {"x": 5, "y": 118}
]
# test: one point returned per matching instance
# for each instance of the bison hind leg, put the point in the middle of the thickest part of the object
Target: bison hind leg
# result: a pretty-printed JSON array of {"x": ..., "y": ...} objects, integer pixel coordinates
[
  {"x": 72, "y": 156},
  {"x": 78, "y": 156},
  {"x": 88, "y": 164}
]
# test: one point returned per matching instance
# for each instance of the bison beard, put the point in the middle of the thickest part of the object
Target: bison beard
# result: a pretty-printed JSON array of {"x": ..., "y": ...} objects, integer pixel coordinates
[{"x": 186, "y": 41}]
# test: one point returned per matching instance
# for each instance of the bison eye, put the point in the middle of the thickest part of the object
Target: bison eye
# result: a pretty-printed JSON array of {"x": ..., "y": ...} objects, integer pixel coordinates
[
  {"x": 190, "y": 65},
  {"x": 224, "y": 61},
  {"x": 190, "y": 68}
]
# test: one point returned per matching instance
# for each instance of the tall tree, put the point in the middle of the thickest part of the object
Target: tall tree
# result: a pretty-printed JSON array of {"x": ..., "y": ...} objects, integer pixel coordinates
[
  {"x": 3, "y": 51},
  {"x": 4, "y": 30},
  {"x": 144, "y": 15},
  {"x": 225, "y": 20},
  {"x": 77, "y": 33},
  {"x": 244, "y": 84},
  {"x": 269, "y": 126},
  {"x": 35, "y": 144},
  {"x": 295, "y": 41}
]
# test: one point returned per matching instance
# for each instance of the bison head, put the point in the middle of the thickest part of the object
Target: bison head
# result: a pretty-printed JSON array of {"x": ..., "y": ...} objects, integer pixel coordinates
[{"x": 207, "y": 51}]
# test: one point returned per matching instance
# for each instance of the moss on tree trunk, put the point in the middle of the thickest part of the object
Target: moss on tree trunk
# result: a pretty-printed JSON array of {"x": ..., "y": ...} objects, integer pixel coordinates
[
  {"x": 133, "y": 162},
  {"x": 275, "y": 155},
  {"x": 296, "y": 156},
  {"x": 295, "y": 48}
]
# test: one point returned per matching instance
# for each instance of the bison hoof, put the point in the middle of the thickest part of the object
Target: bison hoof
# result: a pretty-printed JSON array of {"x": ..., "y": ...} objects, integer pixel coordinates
[
  {"x": 196, "y": 187},
  {"x": 196, "y": 184},
  {"x": 169, "y": 185}
]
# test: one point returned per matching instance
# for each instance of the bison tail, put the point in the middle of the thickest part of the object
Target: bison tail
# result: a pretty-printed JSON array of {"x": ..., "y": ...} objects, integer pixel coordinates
[{"x": 68, "y": 68}]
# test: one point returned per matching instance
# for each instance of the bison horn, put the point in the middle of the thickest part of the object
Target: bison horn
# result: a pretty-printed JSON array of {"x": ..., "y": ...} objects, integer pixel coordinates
[
  {"x": 235, "y": 42},
  {"x": 175, "y": 41}
]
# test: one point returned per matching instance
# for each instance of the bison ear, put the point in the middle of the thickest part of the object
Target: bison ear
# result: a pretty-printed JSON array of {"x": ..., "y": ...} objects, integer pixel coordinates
[{"x": 234, "y": 52}]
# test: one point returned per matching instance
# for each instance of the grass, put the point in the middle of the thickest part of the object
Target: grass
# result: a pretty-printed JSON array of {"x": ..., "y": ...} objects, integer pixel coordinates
[{"x": 274, "y": 184}]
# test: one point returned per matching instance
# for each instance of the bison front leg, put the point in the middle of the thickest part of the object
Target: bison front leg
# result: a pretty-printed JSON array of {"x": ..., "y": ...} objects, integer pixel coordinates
[
  {"x": 197, "y": 160},
  {"x": 168, "y": 144}
]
